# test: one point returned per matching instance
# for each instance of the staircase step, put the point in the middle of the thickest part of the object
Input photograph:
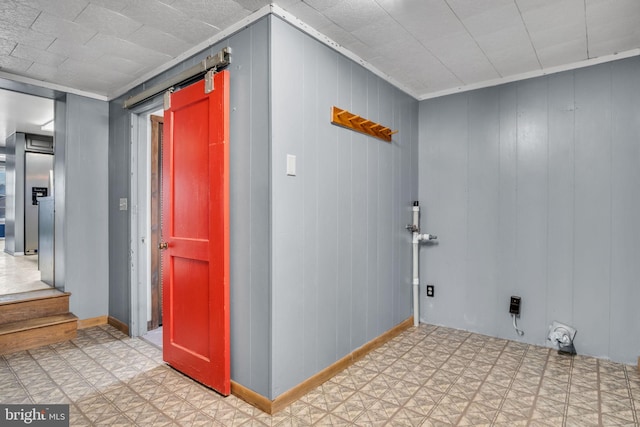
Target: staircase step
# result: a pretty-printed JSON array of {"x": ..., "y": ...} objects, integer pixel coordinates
[
  {"x": 34, "y": 304},
  {"x": 41, "y": 331}
]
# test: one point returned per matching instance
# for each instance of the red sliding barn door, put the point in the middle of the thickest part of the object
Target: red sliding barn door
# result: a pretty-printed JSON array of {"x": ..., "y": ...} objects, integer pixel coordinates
[{"x": 195, "y": 233}]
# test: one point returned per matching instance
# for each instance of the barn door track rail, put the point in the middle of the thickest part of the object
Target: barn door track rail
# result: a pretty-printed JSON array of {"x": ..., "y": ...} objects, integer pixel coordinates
[
  {"x": 354, "y": 122},
  {"x": 213, "y": 62}
]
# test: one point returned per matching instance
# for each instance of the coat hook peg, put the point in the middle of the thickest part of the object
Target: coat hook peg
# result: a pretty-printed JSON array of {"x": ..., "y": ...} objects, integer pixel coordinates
[{"x": 357, "y": 123}]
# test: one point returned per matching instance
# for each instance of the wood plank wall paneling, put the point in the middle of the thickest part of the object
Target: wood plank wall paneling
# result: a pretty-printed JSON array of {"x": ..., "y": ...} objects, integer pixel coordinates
[
  {"x": 532, "y": 190},
  {"x": 341, "y": 255}
]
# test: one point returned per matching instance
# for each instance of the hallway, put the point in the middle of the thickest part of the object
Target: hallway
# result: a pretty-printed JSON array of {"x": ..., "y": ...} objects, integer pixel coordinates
[
  {"x": 19, "y": 273},
  {"x": 426, "y": 376}
]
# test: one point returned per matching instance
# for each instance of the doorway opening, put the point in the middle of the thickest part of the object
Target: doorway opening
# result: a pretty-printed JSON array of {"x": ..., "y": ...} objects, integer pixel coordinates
[
  {"x": 146, "y": 158},
  {"x": 26, "y": 192}
]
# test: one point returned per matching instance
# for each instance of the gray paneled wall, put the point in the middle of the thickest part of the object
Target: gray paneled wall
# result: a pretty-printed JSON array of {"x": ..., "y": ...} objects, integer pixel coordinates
[
  {"x": 249, "y": 203},
  {"x": 83, "y": 230},
  {"x": 341, "y": 256},
  {"x": 532, "y": 188}
]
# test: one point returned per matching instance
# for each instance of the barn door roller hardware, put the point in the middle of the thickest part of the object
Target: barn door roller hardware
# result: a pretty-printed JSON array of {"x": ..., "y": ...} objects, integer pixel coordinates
[
  {"x": 213, "y": 62},
  {"x": 352, "y": 121}
]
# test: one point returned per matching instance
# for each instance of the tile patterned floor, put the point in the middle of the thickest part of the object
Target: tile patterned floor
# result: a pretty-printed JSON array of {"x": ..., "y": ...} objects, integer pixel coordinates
[{"x": 430, "y": 376}]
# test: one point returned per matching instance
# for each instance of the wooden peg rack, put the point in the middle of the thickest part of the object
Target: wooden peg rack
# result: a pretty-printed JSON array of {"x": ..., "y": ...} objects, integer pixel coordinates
[{"x": 352, "y": 121}]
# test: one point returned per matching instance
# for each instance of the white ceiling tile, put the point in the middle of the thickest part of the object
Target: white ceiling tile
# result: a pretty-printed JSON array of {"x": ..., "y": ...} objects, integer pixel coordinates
[
  {"x": 382, "y": 32},
  {"x": 107, "y": 21},
  {"x": 253, "y": 5},
  {"x": 154, "y": 13},
  {"x": 509, "y": 38},
  {"x": 608, "y": 11},
  {"x": 219, "y": 13},
  {"x": 612, "y": 26},
  {"x": 613, "y": 46},
  {"x": 65, "y": 9},
  {"x": 465, "y": 9},
  {"x": 322, "y": 5},
  {"x": 425, "y": 19},
  {"x": 193, "y": 31},
  {"x": 461, "y": 54},
  {"x": 18, "y": 13},
  {"x": 73, "y": 50},
  {"x": 418, "y": 64},
  {"x": 121, "y": 65},
  {"x": 125, "y": 49},
  {"x": 531, "y": 5},
  {"x": 154, "y": 39},
  {"x": 496, "y": 19},
  {"x": 13, "y": 64},
  {"x": 553, "y": 15},
  {"x": 285, "y": 4},
  {"x": 115, "y": 5},
  {"x": 7, "y": 46},
  {"x": 352, "y": 15},
  {"x": 53, "y": 26},
  {"x": 24, "y": 35},
  {"x": 563, "y": 53},
  {"x": 42, "y": 71},
  {"x": 308, "y": 15},
  {"x": 513, "y": 61},
  {"x": 554, "y": 35},
  {"x": 37, "y": 55},
  {"x": 91, "y": 69}
]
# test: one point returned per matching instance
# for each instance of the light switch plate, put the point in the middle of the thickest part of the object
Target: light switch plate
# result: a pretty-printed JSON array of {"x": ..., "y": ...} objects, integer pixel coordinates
[
  {"x": 291, "y": 165},
  {"x": 124, "y": 204}
]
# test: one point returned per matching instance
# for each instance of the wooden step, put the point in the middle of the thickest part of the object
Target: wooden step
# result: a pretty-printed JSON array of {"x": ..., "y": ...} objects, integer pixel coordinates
[
  {"x": 37, "y": 332},
  {"x": 34, "y": 304}
]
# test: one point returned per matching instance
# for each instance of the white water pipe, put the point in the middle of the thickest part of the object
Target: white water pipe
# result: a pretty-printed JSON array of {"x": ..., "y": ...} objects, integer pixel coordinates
[{"x": 417, "y": 238}]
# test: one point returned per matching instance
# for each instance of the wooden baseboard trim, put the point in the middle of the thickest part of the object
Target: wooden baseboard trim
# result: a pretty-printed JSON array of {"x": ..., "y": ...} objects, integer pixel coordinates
[
  {"x": 94, "y": 321},
  {"x": 290, "y": 396},
  {"x": 122, "y": 327},
  {"x": 251, "y": 397}
]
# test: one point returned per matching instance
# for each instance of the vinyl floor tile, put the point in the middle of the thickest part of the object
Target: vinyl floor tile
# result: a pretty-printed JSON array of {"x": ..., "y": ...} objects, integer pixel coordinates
[{"x": 427, "y": 376}]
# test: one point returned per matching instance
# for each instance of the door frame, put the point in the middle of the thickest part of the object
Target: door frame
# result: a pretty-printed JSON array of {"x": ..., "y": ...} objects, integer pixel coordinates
[{"x": 140, "y": 217}]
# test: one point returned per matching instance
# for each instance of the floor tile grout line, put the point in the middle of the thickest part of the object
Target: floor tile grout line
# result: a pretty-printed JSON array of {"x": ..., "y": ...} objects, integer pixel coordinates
[
  {"x": 119, "y": 381},
  {"x": 633, "y": 405},
  {"x": 471, "y": 400},
  {"x": 17, "y": 378},
  {"x": 504, "y": 398},
  {"x": 413, "y": 345},
  {"x": 485, "y": 378},
  {"x": 96, "y": 389},
  {"x": 381, "y": 372},
  {"x": 568, "y": 393},
  {"x": 535, "y": 399},
  {"x": 469, "y": 334},
  {"x": 58, "y": 386},
  {"x": 599, "y": 393},
  {"x": 420, "y": 386}
]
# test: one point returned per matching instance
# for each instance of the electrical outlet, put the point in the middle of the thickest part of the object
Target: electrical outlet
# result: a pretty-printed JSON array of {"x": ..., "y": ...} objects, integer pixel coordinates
[
  {"x": 430, "y": 291},
  {"x": 514, "y": 306}
]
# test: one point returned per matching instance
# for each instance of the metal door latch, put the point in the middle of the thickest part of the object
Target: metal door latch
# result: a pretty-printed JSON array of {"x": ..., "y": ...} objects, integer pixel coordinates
[{"x": 163, "y": 245}]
